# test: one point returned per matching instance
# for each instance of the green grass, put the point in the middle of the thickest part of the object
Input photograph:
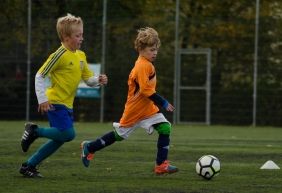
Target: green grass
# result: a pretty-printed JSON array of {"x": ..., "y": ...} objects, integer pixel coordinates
[{"x": 126, "y": 166}]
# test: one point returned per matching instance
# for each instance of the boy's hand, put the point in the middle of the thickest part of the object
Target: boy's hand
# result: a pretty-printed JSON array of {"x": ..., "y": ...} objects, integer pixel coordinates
[
  {"x": 103, "y": 79},
  {"x": 44, "y": 107}
]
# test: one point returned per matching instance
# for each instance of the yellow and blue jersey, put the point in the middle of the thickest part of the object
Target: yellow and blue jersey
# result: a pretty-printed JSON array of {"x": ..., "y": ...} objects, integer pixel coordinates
[{"x": 65, "y": 70}]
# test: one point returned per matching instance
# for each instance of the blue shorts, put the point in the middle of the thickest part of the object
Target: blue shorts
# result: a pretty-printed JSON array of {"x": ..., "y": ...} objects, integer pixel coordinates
[{"x": 60, "y": 117}]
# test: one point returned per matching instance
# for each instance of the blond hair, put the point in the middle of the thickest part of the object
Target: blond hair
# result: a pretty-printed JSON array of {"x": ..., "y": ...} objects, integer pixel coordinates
[
  {"x": 146, "y": 37},
  {"x": 66, "y": 24}
]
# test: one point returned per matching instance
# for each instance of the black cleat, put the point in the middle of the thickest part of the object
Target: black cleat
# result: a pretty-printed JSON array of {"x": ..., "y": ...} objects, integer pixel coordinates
[
  {"x": 29, "y": 171},
  {"x": 28, "y": 136}
]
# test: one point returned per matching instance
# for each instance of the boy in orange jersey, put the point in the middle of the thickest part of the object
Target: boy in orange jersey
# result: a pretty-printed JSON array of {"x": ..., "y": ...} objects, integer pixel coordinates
[{"x": 141, "y": 108}]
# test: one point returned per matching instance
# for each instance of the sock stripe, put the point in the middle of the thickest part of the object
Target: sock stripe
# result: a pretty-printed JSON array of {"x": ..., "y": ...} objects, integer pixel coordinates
[
  {"x": 102, "y": 142},
  {"x": 166, "y": 147}
]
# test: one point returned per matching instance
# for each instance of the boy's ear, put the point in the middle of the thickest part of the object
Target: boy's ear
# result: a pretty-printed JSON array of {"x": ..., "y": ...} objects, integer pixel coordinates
[{"x": 65, "y": 38}]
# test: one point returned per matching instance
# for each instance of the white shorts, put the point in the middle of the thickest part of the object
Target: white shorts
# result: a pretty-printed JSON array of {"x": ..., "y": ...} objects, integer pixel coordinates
[{"x": 146, "y": 124}]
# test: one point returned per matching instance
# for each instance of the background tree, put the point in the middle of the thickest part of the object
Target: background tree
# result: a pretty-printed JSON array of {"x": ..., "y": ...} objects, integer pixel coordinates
[{"x": 226, "y": 27}]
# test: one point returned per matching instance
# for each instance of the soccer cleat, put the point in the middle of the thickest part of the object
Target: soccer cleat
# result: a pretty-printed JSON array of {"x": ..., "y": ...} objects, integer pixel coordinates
[
  {"x": 29, "y": 171},
  {"x": 28, "y": 136},
  {"x": 165, "y": 168},
  {"x": 86, "y": 156}
]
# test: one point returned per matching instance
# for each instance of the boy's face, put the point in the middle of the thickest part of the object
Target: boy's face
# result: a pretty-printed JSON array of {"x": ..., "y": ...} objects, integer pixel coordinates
[
  {"x": 74, "y": 41},
  {"x": 150, "y": 53}
]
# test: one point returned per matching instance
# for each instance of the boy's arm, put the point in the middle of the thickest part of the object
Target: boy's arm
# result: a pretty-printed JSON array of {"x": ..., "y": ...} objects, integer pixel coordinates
[
  {"x": 40, "y": 89},
  {"x": 43, "y": 103},
  {"x": 159, "y": 100},
  {"x": 93, "y": 81}
]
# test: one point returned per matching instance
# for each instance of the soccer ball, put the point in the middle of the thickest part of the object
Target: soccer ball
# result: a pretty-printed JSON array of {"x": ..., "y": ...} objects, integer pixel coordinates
[{"x": 208, "y": 166}]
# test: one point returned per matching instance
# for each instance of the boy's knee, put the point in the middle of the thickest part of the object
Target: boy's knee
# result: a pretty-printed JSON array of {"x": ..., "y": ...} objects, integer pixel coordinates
[
  {"x": 117, "y": 137},
  {"x": 164, "y": 128},
  {"x": 70, "y": 135},
  {"x": 70, "y": 138}
]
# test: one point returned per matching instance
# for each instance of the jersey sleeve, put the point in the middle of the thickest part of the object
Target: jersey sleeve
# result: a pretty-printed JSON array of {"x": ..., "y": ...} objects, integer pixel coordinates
[
  {"x": 86, "y": 72},
  {"x": 40, "y": 89}
]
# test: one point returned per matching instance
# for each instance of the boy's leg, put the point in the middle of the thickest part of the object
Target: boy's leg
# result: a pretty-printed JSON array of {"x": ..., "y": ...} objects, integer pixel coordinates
[
  {"x": 162, "y": 164},
  {"x": 104, "y": 141},
  {"x": 44, "y": 151},
  {"x": 163, "y": 147},
  {"x": 90, "y": 147},
  {"x": 61, "y": 122},
  {"x": 29, "y": 136},
  {"x": 163, "y": 142},
  {"x": 32, "y": 132},
  {"x": 56, "y": 134},
  {"x": 58, "y": 138},
  {"x": 29, "y": 168}
]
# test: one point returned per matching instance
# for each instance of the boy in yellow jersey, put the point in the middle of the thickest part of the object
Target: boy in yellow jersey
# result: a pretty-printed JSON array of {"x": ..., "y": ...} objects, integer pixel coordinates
[
  {"x": 141, "y": 108},
  {"x": 66, "y": 67}
]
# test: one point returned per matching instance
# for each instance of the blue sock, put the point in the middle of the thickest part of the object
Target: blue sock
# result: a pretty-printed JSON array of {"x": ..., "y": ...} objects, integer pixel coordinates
[
  {"x": 43, "y": 152},
  {"x": 163, "y": 146},
  {"x": 102, "y": 142},
  {"x": 57, "y": 139},
  {"x": 56, "y": 134}
]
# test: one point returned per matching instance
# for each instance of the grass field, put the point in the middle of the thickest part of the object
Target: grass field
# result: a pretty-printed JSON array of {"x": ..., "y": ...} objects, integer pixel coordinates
[{"x": 126, "y": 166}]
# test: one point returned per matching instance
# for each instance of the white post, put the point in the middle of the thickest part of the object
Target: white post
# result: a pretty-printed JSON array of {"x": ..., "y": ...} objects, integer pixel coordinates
[
  {"x": 28, "y": 61},
  {"x": 255, "y": 64},
  {"x": 176, "y": 65},
  {"x": 103, "y": 62}
]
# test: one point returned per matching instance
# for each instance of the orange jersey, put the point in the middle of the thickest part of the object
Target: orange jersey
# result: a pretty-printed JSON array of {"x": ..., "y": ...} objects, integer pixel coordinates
[{"x": 141, "y": 84}]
